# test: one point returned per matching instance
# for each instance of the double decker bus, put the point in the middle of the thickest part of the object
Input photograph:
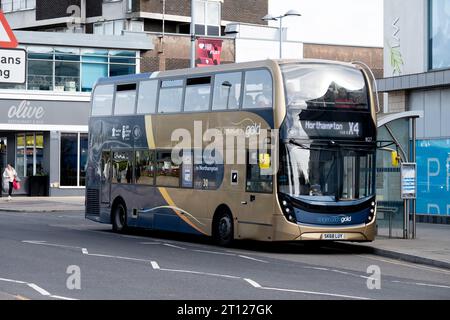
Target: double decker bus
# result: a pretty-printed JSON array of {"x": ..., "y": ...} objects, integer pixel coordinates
[{"x": 310, "y": 176}]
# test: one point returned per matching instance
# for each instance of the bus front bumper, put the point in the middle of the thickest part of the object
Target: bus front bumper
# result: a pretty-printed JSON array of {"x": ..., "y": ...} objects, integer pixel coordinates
[{"x": 287, "y": 231}]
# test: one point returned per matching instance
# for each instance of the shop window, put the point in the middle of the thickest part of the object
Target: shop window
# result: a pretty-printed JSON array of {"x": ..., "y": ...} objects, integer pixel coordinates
[
  {"x": 69, "y": 160},
  {"x": 167, "y": 172},
  {"x": 258, "y": 89},
  {"x": 145, "y": 167},
  {"x": 67, "y": 76},
  {"x": 83, "y": 158},
  {"x": 40, "y": 75},
  {"x": 30, "y": 154},
  {"x": 259, "y": 172},
  {"x": 227, "y": 91},
  {"x": 122, "y": 167},
  {"x": 147, "y": 97},
  {"x": 94, "y": 66},
  {"x": 121, "y": 69},
  {"x": 20, "y": 155},
  {"x": 73, "y": 69},
  {"x": 73, "y": 159},
  {"x": 125, "y": 99}
]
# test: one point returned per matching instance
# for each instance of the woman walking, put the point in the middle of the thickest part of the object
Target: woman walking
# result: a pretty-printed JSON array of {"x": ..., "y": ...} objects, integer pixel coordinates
[{"x": 8, "y": 176}]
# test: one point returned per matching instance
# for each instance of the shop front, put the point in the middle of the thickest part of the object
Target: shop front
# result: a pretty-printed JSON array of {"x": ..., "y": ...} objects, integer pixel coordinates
[{"x": 45, "y": 138}]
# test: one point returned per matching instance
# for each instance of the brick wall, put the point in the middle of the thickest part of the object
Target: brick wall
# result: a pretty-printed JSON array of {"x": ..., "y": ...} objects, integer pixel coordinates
[
  {"x": 373, "y": 57},
  {"x": 397, "y": 101},
  {"x": 174, "y": 7},
  {"x": 174, "y": 53},
  {"x": 250, "y": 11}
]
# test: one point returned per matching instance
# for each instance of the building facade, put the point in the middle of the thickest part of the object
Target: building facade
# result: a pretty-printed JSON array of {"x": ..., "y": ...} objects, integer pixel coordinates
[
  {"x": 167, "y": 22},
  {"x": 44, "y": 122},
  {"x": 70, "y": 44},
  {"x": 417, "y": 78}
]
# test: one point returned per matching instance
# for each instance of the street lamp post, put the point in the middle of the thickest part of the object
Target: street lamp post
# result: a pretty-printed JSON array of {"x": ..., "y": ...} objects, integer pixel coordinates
[
  {"x": 193, "y": 18},
  {"x": 290, "y": 13}
]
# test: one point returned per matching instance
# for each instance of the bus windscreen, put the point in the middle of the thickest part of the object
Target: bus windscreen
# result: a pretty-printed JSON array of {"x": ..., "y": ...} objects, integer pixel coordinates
[{"x": 313, "y": 86}]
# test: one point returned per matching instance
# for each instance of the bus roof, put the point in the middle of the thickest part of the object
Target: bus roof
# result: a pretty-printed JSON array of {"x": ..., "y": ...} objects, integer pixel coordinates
[{"x": 220, "y": 68}]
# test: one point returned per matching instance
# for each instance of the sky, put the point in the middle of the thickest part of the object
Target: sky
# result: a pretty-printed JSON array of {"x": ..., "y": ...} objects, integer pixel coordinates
[{"x": 347, "y": 22}]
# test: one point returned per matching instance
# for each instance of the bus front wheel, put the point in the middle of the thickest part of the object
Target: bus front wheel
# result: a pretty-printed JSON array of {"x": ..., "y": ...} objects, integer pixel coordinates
[
  {"x": 223, "y": 230},
  {"x": 119, "y": 218}
]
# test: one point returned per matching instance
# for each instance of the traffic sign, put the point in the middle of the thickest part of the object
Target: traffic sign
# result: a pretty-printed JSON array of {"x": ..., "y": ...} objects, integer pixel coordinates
[
  {"x": 12, "y": 65},
  {"x": 7, "y": 37}
]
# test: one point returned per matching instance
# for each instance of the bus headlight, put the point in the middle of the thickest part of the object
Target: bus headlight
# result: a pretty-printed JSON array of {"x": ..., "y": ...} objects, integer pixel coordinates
[
  {"x": 288, "y": 210},
  {"x": 371, "y": 215}
]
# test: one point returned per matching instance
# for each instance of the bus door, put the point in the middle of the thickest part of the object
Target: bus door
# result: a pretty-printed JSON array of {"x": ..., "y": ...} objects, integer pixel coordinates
[
  {"x": 257, "y": 203},
  {"x": 105, "y": 181}
]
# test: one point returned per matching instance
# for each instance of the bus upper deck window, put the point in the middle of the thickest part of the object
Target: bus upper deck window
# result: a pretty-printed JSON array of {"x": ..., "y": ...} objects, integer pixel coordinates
[
  {"x": 103, "y": 100},
  {"x": 170, "y": 96},
  {"x": 227, "y": 91},
  {"x": 258, "y": 89},
  {"x": 198, "y": 94},
  {"x": 147, "y": 96},
  {"x": 125, "y": 99}
]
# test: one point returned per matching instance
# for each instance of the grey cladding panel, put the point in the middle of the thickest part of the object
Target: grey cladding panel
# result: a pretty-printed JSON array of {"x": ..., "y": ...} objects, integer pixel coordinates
[
  {"x": 405, "y": 82},
  {"x": 416, "y": 102},
  {"x": 445, "y": 109},
  {"x": 439, "y": 78},
  {"x": 433, "y": 114},
  {"x": 414, "y": 80}
]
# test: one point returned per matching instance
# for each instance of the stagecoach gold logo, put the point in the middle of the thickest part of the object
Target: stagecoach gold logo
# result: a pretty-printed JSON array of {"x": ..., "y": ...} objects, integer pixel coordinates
[{"x": 249, "y": 127}]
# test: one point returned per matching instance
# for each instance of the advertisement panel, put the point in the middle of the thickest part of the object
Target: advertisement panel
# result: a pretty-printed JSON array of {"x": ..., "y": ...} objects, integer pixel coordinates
[
  {"x": 208, "y": 52},
  {"x": 433, "y": 176}
]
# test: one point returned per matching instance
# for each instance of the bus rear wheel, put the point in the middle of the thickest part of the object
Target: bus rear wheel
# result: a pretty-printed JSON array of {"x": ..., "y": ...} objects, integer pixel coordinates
[
  {"x": 223, "y": 229},
  {"x": 119, "y": 218}
]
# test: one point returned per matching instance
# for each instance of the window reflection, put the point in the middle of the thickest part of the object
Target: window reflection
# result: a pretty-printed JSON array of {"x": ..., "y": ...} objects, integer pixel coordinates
[
  {"x": 324, "y": 86},
  {"x": 440, "y": 34},
  {"x": 122, "y": 167},
  {"x": 168, "y": 173},
  {"x": 145, "y": 167},
  {"x": 318, "y": 173}
]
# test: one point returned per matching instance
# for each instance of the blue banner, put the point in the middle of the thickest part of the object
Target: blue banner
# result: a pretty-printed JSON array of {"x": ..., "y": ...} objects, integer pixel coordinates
[{"x": 433, "y": 177}]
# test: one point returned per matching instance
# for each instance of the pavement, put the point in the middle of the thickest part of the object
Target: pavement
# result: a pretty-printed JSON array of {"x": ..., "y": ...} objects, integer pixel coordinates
[
  {"x": 431, "y": 247},
  {"x": 41, "y": 204}
]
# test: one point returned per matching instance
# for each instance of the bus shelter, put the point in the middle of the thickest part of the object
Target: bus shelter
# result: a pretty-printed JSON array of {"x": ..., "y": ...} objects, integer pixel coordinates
[{"x": 396, "y": 138}]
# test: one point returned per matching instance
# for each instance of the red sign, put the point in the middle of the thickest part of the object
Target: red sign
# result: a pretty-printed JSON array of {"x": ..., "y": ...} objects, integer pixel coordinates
[
  {"x": 208, "y": 52},
  {"x": 7, "y": 37}
]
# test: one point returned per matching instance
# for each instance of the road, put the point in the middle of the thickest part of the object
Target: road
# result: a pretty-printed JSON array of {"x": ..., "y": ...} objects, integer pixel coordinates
[{"x": 37, "y": 249}]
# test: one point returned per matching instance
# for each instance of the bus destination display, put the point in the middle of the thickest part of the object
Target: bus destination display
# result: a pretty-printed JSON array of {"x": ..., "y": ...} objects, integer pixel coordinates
[{"x": 331, "y": 129}]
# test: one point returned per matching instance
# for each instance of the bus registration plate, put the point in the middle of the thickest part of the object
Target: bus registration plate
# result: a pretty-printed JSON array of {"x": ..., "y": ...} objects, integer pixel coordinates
[{"x": 333, "y": 236}]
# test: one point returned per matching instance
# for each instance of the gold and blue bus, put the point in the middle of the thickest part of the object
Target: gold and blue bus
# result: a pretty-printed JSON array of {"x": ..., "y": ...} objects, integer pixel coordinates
[{"x": 314, "y": 181}]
